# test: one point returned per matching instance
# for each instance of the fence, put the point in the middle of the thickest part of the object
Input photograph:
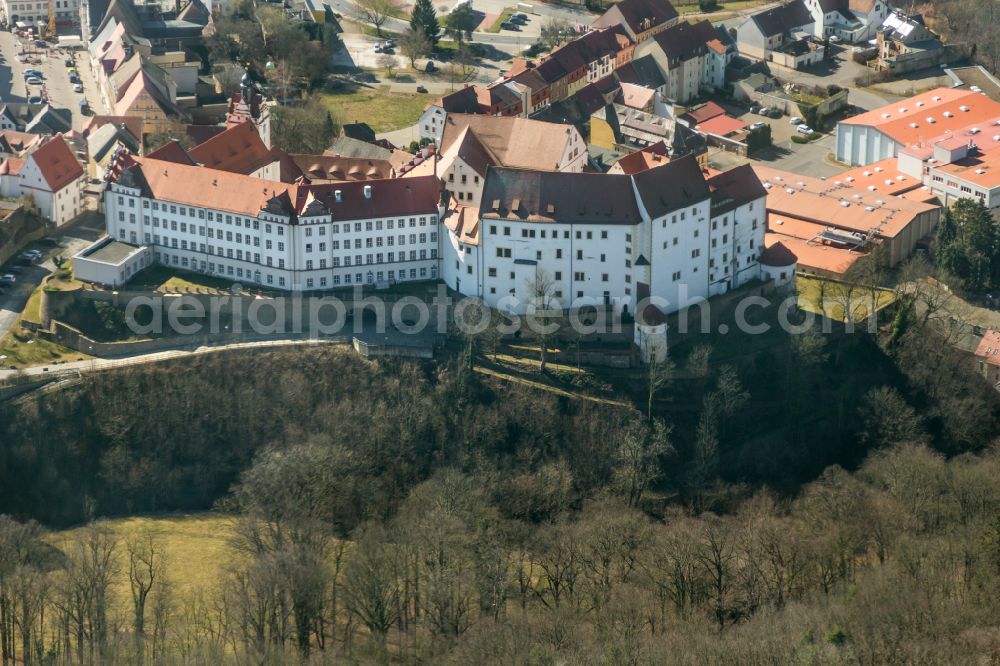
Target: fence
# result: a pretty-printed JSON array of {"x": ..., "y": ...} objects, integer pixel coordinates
[{"x": 373, "y": 349}]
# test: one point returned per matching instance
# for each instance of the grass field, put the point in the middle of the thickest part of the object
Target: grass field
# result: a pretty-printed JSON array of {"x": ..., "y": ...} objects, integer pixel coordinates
[
  {"x": 164, "y": 278},
  {"x": 504, "y": 15},
  {"x": 838, "y": 297},
  {"x": 195, "y": 546},
  {"x": 384, "y": 111}
]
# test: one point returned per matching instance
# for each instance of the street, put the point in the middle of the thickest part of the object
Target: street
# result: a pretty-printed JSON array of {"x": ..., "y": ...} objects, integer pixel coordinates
[
  {"x": 55, "y": 84},
  {"x": 64, "y": 242}
]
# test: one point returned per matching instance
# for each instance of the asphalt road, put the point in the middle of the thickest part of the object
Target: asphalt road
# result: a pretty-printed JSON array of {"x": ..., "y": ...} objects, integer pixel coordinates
[
  {"x": 55, "y": 85},
  {"x": 65, "y": 242}
]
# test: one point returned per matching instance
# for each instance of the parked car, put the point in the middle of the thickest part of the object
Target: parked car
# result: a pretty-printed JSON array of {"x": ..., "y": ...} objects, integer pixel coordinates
[
  {"x": 78, "y": 88},
  {"x": 14, "y": 269},
  {"x": 764, "y": 111},
  {"x": 35, "y": 99},
  {"x": 430, "y": 67},
  {"x": 507, "y": 25},
  {"x": 389, "y": 44},
  {"x": 421, "y": 89},
  {"x": 975, "y": 89},
  {"x": 32, "y": 72},
  {"x": 33, "y": 81},
  {"x": 34, "y": 255},
  {"x": 7, "y": 279},
  {"x": 795, "y": 120},
  {"x": 69, "y": 62},
  {"x": 41, "y": 43},
  {"x": 73, "y": 78},
  {"x": 523, "y": 18},
  {"x": 378, "y": 48},
  {"x": 757, "y": 126},
  {"x": 804, "y": 129}
]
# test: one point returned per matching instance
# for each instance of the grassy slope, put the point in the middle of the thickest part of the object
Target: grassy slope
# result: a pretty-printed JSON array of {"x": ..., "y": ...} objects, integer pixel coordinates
[
  {"x": 384, "y": 111},
  {"x": 196, "y": 549}
]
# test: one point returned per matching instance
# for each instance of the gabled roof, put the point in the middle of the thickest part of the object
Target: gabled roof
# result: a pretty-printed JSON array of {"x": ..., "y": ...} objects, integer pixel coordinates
[
  {"x": 552, "y": 196},
  {"x": 470, "y": 150},
  {"x": 637, "y": 97},
  {"x": 12, "y": 141},
  {"x": 677, "y": 184},
  {"x": 50, "y": 120},
  {"x": 132, "y": 123},
  {"x": 172, "y": 151},
  {"x": 332, "y": 168},
  {"x": 239, "y": 149},
  {"x": 704, "y": 112},
  {"x": 511, "y": 141},
  {"x": 142, "y": 82},
  {"x": 722, "y": 126},
  {"x": 460, "y": 101},
  {"x": 195, "y": 11},
  {"x": 463, "y": 221},
  {"x": 642, "y": 72},
  {"x": 56, "y": 162},
  {"x": 102, "y": 140},
  {"x": 780, "y": 20},
  {"x": 989, "y": 347},
  {"x": 638, "y": 15},
  {"x": 684, "y": 41},
  {"x": 734, "y": 188},
  {"x": 647, "y": 158}
]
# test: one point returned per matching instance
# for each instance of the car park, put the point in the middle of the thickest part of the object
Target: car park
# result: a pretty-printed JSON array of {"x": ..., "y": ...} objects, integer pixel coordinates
[
  {"x": 33, "y": 255},
  {"x": 33, "y": 81},
  {"x": 378, "y": 48},
  {"x": 795, "y": 120},
  {"x": 32, "y": 72},
  {"x": 507, "y": 25},
  {"x": 523, "y": 18},
  {"x": 764, "y": 111},
  {"x": 804, "y": 129}
]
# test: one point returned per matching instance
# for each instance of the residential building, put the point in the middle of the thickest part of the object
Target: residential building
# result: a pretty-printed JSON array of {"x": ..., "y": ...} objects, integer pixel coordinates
[
  {"x": 905, "y": 44},
  {"x": 852, "y": 21},
  {"x": 881, "y": 133},
  {"x": 988, "y": 357},
  {"x": 692, "y": 58},
  {"x": 280, "y": 235},
  {"x": 830, "y": 224},
  {"x": 471, "y": 144},
  {"x": 641, "y": 19},
  {"x": 33, "y": 11},
  {"x": 652, "y": 156},
  {"x": 782, "y": 35},
  {"x": 51, "y": 175},
  {"x": 626, "y": 130},
  {"x": 667, "y": 232},
  {"x": 431, "y": 123}
]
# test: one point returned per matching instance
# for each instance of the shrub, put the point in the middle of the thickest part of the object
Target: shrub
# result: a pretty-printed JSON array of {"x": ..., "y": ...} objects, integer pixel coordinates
[
  {"x": 799, "y": 139},
  {"x": 708, "y": 5}
]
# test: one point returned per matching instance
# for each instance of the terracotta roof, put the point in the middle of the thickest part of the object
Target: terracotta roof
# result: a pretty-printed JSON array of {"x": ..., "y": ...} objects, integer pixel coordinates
[
  {"x": 239, "y": 149},
  {"x": 847, "y": 208},
  {"x": 512, "y": 141},
  {"x": 637, "y": 97},
  {"x": 777, "y": 253},
  {"x": 460, "y": 101},
  {"x": 142, "y": 82},
  {"x": 18, "y": 142},
  {"x": 722, "y": 126},
  {"x": 906, "y": 122},
  {"x": 989, "y": 347},
  {"x": 172, "y": 151},
  {"x": 470, "y": 150},
  {"x": 11, "y": 166},
  {"x": 675, "y": 185},
  {"x": 550, "y": 196},
  {"x": 883, "y": 175},
  {"x": 245, "y": 195},
  {"x": 335, "y": 168},
  {"x": 981, "y": 168},
  {"x": 825, "y": 258},
  {"x": 638, "y": 15},
  {"x": 463, "y": 222},
  {"x": 704, "y": 112},
  {"x": 647, "y": 158},
  {"x": 861, "y": 6},
  {"x": 202, "y": 133},
  {"x": 56, "y": 162}
]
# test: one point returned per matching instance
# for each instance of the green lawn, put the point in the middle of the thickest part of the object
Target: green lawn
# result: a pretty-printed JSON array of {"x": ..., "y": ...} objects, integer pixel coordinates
[
  {"x": 504, "y": 15},
  {"x": 836, "y": 297},
  {"x": 164, "y": 278},
  {"x": 23, "y": 350},
  {"x": 384, "y": 111}
]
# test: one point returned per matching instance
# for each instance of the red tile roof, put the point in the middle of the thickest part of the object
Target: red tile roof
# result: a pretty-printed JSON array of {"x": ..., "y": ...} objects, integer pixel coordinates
[
  {"x": 705, "y": 112},
  {"x": 172, "y": 151},
  {"x": 722, "y": 126},
  {"x": 56, "y": 162},
  {"x": 989, "y": 348},
  {"x": 239, "y": 150},
  {"x": 647, "y": 158}
]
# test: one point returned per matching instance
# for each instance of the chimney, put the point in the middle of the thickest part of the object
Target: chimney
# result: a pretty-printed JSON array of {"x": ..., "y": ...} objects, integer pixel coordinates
[
  {"x": 339, "y": 195},
  {"x": 368, "y": 191}
]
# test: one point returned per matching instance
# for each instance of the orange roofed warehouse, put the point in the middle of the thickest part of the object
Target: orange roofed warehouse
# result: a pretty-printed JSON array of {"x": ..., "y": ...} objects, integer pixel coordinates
[{"x": 830, "y": 224}]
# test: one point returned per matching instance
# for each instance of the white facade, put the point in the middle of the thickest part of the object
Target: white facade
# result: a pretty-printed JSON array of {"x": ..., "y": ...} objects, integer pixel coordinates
[
  {"x": 109, "y": 262},
  {"x": 276, "y": 250},
  {"x": 859, "y": 145},
  {"x": 32, "y": 11},
  {"x": 431, "y": 123},
  {"x": 853, "y": 22},
  {"x": 60, "y": 206}
]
